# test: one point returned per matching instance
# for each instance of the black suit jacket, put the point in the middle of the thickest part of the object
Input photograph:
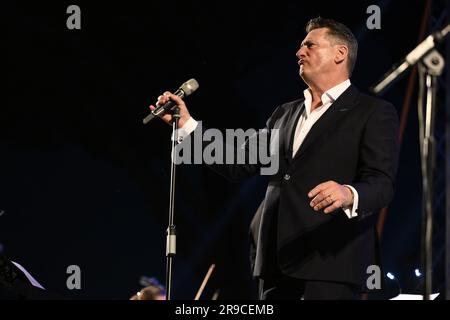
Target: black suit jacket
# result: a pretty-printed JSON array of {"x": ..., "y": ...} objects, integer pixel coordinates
[{"x": 355, "y": 142}]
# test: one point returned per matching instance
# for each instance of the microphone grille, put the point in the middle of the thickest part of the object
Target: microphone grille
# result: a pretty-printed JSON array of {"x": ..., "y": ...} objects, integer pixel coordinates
[{"x": 189, "y": 86}]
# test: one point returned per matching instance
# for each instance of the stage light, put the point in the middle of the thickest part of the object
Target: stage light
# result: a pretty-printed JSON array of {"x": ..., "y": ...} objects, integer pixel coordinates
[
  {"x": 393, "y": 278},
  {"x": 390, "y": 276}
]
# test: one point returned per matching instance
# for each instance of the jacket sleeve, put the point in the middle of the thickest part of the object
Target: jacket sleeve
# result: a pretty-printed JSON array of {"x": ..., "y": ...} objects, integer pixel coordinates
[
  {"x": 378, "y": 161},
  {"x": 241, "y": 161}
]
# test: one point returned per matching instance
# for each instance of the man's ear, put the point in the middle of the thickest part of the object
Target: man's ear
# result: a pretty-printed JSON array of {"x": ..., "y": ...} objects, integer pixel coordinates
[{"x": 341, "y": 53}]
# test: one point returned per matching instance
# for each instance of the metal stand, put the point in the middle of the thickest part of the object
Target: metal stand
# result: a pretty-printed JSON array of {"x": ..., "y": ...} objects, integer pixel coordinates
[
  {"x": 431, "y": 64},
  {"x": 430, "y": 68},
  {"x": 171, "y": 230}
]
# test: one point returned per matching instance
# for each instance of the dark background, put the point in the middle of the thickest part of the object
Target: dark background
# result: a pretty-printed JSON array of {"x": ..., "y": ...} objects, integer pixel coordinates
[{"x": 83, "y": 182}]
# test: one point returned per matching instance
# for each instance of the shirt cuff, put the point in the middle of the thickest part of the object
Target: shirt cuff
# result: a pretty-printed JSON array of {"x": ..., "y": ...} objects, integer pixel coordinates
[
  {"x": 351, "y": 212},
  {"x": 186, "y": 130}
]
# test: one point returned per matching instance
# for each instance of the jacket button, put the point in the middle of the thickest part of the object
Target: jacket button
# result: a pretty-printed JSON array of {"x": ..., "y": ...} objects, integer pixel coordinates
[{"x": 287, "y": 177}]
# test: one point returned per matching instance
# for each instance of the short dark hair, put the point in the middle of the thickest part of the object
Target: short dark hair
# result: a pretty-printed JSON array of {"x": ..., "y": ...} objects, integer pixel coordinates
[{"x": 339, "y": 32}]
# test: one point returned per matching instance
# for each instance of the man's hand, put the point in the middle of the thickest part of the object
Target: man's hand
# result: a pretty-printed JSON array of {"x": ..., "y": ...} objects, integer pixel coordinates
[
  {"x": 331, "y": 196},
  {"x": 167, "y": 117}
]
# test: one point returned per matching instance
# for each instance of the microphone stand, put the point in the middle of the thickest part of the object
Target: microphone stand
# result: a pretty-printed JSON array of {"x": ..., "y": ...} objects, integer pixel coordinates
[
  {"x": 430, "y": 69},
  {"x": 431, "y": 64},
  {"x": 171, "y": 229},
  {"x": 185, "y": 90}
]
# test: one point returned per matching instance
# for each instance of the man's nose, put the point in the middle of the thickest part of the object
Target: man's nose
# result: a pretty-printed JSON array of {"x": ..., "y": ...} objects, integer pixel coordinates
[{"x": 300, "y": 53}]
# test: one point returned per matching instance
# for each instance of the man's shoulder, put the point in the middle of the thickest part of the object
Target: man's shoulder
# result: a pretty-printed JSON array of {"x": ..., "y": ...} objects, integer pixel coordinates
[
  {"x": 284, "y": 111},
  {"x": 292, "y": 104},
  {"x": 365, "y": 105},
  {"x": 289, "y": 106},
  {"x": 371, "y": 104},
  {"x": 285, "y": 108},
  {"x": 371, "y": 100}
]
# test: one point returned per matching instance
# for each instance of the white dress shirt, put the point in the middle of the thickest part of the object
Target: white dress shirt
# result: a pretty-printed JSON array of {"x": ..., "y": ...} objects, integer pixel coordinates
[{"x": 305, "y": 123}]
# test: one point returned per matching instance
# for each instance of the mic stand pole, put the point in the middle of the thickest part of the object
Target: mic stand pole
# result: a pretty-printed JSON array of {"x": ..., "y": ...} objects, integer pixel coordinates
[
  {"x": 430, "y": 68},
  {"x": 171, "y": 231}
]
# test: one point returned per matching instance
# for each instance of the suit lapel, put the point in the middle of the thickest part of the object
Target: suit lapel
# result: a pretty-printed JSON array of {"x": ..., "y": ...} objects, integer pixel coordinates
[
  {"x": 290, "y": 129},
  {"x": 346, "y": 101}
]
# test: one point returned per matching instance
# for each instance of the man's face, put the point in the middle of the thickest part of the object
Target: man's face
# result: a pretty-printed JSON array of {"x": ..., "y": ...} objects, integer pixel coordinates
[{"x": 316, "y": 55}]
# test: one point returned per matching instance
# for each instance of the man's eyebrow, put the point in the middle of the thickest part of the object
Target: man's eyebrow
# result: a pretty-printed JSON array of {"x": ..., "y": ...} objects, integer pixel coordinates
[{"x": 306, "y": 42}]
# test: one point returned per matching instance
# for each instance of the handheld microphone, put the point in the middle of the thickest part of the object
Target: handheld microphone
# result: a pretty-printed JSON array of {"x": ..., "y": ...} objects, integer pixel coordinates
[{"x": 185, "y": 90}]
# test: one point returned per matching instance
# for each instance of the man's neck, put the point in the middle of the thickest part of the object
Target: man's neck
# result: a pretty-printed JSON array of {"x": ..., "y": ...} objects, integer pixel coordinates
[
  {"x": 317, "y": 90},
  {"x": 316, "y": 99}
]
